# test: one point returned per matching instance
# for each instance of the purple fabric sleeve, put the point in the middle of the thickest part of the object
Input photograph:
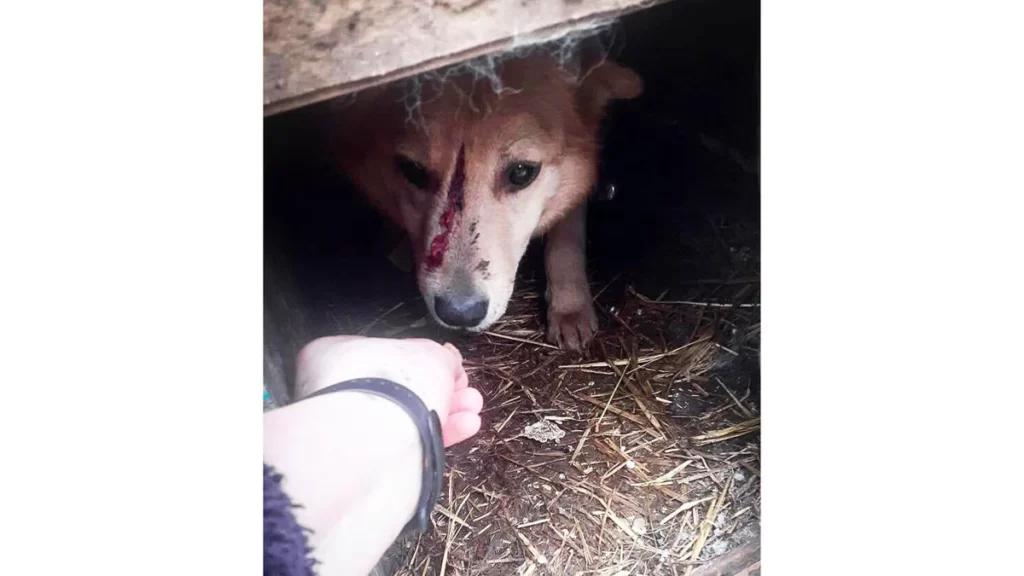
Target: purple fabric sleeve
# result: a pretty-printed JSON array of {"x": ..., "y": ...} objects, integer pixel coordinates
[{"x": 286, "y": 550}]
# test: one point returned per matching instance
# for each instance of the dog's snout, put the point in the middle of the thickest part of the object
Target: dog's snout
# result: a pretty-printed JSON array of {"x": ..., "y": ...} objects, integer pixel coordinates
[{"x": 461, "y": 311}]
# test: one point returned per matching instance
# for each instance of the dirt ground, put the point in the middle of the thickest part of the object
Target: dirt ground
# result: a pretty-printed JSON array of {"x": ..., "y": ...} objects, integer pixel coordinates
[{"x": 641, "y": 456}]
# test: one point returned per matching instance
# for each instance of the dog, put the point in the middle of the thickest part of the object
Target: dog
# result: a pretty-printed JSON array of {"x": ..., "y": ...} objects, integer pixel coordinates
[{"x": 475, "y": 172}]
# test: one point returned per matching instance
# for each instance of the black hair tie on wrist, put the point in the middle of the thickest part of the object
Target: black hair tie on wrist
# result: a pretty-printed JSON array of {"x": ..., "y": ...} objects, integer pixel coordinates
[{"x": 429, "y": 426}]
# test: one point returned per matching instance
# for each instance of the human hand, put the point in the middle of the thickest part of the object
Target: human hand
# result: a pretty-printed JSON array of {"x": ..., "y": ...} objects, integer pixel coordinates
[{"x": 432, "y": 371}]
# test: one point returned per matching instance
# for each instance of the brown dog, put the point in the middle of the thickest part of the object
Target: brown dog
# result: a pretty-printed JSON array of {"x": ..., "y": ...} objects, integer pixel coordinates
[{"x": 475, "y": 173}]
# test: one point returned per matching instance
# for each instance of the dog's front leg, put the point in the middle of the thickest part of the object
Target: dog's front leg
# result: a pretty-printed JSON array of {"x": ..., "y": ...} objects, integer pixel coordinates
[{"x": 571, "y": 318}]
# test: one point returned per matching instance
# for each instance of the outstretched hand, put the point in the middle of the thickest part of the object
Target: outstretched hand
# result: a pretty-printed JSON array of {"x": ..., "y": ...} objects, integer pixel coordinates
[{"x": 432, "y": 371}]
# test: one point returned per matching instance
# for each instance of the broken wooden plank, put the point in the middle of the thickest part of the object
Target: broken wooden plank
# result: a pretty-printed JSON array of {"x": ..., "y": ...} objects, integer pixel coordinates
[{"x": 314, "y": 50}]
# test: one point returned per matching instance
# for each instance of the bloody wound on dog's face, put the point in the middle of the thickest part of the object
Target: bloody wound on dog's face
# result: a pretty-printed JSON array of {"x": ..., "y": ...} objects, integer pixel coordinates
[{"x": 476, "y": 173}]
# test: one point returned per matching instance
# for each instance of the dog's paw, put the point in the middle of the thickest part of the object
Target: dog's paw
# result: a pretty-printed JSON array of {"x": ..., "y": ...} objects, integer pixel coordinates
[{"x": 572, "y": 330}]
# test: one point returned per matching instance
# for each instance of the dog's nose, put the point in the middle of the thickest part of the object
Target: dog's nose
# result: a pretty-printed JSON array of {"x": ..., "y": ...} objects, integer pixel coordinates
[{"x": 462, "y": 311}]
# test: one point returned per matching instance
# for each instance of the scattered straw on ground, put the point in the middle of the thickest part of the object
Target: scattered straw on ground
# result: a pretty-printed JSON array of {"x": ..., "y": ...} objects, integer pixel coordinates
[{"x": 641, "y": 458}]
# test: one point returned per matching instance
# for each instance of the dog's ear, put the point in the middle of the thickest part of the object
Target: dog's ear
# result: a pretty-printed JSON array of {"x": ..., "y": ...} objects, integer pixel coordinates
[{"x": 606, "y": 82}]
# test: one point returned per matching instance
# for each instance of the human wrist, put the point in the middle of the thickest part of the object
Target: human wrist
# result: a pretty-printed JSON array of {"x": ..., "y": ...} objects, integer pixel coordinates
[
  {"x": 361, "y": 536},
  {"x": 400, "y": 455},
  {"x": 335, "y": 448},
  {"x": 426, "y": 391},
  {"x": 395, "y": 449},
  {"x": 363, "y": 530}
]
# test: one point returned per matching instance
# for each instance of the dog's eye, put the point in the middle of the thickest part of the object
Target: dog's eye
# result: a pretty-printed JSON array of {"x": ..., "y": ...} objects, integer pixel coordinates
[
  {"x": 413, "y": 171},
  {"x": 521, "y": 174}
]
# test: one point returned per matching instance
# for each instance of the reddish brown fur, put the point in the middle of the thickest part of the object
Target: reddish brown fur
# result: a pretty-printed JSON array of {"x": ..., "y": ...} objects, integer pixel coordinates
[{"x": 542, "y": 116}]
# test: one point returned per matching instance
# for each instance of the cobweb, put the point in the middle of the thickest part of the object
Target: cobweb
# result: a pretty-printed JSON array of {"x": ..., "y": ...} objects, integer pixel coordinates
[{"x": 605, "y": 39}]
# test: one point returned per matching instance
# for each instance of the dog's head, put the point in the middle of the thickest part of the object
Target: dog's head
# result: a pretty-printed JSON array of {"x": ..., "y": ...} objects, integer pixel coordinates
[{"x": 476, "y": 173}]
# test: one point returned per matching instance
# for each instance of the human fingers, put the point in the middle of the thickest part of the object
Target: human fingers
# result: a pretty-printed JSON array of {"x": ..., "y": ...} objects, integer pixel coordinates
[
  {"x": 459, "y": 427},
  {"x": 466, "y": 400}
]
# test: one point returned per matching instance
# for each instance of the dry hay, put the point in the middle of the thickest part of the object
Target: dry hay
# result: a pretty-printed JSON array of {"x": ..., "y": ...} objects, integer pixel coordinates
[{"x": 658, "y": 468}]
